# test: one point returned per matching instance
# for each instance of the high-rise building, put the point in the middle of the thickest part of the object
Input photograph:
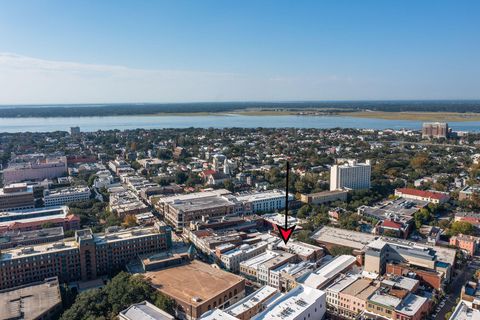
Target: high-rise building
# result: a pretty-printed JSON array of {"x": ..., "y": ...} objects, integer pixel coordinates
[
  {"x": 74, "y": 131},
  {"x": 351, "y": 175},
  {"x": 435, "y": 130}
]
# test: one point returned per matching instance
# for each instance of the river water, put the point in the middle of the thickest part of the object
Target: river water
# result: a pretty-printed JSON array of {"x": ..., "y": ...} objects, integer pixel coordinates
[{"x": 213, "y": 121}]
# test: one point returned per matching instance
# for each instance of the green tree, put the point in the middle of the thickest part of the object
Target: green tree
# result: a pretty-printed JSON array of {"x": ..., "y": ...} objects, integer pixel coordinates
[
  {"x": 462, "y": 227},
  {"x": 119, "y": 293}
]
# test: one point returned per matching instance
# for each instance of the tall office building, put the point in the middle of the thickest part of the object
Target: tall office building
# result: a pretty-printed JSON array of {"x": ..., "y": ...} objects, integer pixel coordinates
[
  {"x": 435, "y": 130},
  {"x": 351, "y": 175}
]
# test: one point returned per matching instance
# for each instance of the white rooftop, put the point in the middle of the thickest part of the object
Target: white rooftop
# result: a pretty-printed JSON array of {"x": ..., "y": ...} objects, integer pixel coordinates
[
  {"x": 217, "y": 314},
  {"x": 411, "y": 304},
  {"x": 327, "y": 272},
  {"x": 464, "y": 312},
  {"x": 292, "y": 304},
  {"x": 258, "y": 297},
  {"x": 144, "y": 311},
  {"x": 261, "y": 258}
]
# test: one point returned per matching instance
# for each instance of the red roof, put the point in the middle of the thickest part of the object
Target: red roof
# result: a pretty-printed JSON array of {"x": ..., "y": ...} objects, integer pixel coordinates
[
  {"x": 422, "y": 193},
  {"x": 391, "y": 224}
]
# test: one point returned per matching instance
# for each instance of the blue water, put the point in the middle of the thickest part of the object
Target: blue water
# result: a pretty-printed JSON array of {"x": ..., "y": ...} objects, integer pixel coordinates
[{"x": 221, "y": 121}]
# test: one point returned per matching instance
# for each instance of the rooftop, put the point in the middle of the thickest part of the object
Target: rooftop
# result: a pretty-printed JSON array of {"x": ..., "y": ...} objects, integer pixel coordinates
[
  {"x": 194, "y": 280},
  {"x": 257, "y": 297},
  {"x": 329, "y": 271},
  {"x": 424, "y": 194},
  {"x": 346, "y": 238},
  {"x": 360, "y": 288},
  {"x": 29, "y": 302},
  {"x": 411, "y": 304},
  {"x": 144, "y": 311},
  {"x": 290, "y": 305},
  {"x": 385, "y": 299},
  {"x": 464, "y": 312}
]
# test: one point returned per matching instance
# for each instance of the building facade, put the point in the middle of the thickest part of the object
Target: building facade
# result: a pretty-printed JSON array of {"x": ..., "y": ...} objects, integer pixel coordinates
[
  {"x": 84, "y": 258},
  {"x": 352, "y": 175}
]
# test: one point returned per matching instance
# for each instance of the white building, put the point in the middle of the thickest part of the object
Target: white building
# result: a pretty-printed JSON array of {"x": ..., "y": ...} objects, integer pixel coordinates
[
  {"x": 231, "y": 259},
  {"x": 59, "y": 197},
  {"x": 299, "y": 304},
  {"x": 351, "y": 175},
  {"x": 268, "y": 201}
]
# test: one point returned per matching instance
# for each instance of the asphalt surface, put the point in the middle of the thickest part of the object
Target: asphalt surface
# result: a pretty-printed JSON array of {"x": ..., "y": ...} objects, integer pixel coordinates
[{"x": 455, "y": 286}]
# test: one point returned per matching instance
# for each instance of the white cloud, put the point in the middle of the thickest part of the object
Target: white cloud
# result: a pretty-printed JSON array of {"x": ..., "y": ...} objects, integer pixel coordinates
[{"x": 31, "y": 80}]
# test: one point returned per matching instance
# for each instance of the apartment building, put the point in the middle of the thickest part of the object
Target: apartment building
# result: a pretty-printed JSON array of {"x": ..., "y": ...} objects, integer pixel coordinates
[
  {"x": 35, "y": 219},
  {"x": 467, "y": 243},
  {"x": 267, "y": 201},
  {"x": 435, "y": 130},
  {"x": 60, "y": 197},
  {"x": 83, "y": 258},
  {"x": 265, "y": 268},
  {"x": 232, "y": 258},
  {"x": 250, "y": 268},
  {"x": 324, "y": 197},
  {"x": 16, "y": 238},
  {"x": 16, "y": 196},
  {"x": 35, "y": 169},
  {"x": 351, "y": 175},
  {"x": 180, "y": 210}
]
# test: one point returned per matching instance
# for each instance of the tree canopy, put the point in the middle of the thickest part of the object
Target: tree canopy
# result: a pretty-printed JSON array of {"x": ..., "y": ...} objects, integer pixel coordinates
[{"x": 119, "y": 293}]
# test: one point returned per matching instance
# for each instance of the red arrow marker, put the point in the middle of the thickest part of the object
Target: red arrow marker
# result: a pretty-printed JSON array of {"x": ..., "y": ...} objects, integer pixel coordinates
[{"x": 285, "y": 233}]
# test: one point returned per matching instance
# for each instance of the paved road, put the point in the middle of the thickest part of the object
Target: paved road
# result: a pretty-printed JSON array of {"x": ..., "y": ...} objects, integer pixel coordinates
[{"x": 456, "y": 287}]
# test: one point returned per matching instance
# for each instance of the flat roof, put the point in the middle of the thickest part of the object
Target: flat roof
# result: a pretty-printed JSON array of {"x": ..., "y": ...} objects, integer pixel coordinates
[
  {"x": 27, "y": 251},
  {"x": 256, "y": 298},
  {"x": 29, "y": 302},
  {"x": 193, "y": 280},
  {"x": 341, "y": 237},
  {"x": 360, "y": 288},
  {"x": 217, "y": 314},
  {"x": 265, "y": 195},
  {"x": 411, "y": 304},
  {"x": 261, "y": 258},
  {"x": 465, "y": 312},
  {"x": 342, "y": 283},
  {"x": 145, "y": 311},
  {"x": 329, "y": 271},
  {"x": 385, "y": 299},
  {"x": 292, "y": 304}
]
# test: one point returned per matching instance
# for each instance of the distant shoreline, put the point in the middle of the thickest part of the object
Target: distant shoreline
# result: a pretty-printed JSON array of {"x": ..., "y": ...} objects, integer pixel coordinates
[
  {"x": 446, "y": 110},
  {"x": 414, "y": 116}
]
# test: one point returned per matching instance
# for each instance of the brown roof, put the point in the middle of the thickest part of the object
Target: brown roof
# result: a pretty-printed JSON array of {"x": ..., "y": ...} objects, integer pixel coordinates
[{"x": 193, "y": 280}]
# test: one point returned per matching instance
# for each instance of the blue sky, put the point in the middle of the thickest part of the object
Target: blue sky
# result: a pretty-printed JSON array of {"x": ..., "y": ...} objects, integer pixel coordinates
[{"x": 165, "y": 51}]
